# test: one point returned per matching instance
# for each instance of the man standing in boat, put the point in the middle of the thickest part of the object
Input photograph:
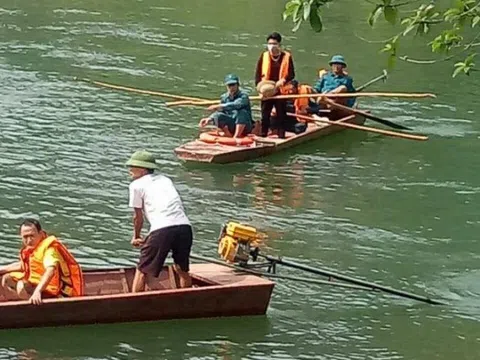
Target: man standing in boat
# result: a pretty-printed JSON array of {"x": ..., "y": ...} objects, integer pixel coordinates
[
  {"x": 233, "y": 115},
  {"x": 336, "y": 81},
  {"x": 274, "y": 66},
  {"x": 46, "y": 268},
  {"x": 155, "y": 197}
]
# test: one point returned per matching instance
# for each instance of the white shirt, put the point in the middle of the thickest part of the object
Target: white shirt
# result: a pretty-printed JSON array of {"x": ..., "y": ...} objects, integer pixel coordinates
[{"x": 160, "y": 201}]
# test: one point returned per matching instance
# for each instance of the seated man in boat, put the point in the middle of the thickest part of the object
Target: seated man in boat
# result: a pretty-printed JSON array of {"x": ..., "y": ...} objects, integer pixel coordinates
[
  {"x": 300, "y": 106},
  {"x": 46, "y": 268},
  {"x": 233, "y": 115},
  {"x": 155, "y": 197},
  {"x": 336, "y": 81}
]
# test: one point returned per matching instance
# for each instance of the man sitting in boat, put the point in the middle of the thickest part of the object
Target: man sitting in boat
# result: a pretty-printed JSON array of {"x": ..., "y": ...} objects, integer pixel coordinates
[
  {"x": 300, "y": 106},
  {"x": 233, "y": 115},
  {"x": 155, "y": 197},
  {"x": 46, "y": 268},
  {"x": 336, "y": 81}
]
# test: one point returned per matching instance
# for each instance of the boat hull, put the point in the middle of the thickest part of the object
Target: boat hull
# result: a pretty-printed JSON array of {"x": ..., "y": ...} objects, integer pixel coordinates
[
  {"x": 219, "y": 292},
  {"x": 200, "y": 152}
]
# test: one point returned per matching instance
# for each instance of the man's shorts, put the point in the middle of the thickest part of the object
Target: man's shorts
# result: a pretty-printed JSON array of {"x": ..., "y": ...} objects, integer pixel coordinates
[{"x": 158, "y": 244}]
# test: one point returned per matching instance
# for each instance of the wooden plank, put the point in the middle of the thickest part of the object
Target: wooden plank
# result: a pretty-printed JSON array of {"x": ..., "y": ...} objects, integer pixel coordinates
[
  {"x": 124, "y": 281},
  {"x": 197, "y": 151}
]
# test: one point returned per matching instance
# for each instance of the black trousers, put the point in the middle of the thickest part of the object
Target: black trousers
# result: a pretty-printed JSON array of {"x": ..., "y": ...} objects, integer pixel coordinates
[{"x": 281, "y": 109}]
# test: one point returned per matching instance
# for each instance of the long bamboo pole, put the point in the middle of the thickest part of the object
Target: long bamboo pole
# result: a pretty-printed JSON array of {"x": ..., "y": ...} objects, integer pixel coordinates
[
  {"x": 141, "y": 91},
  {"x": 361, "y": 127},
  {"x": 301, "y": 96}
]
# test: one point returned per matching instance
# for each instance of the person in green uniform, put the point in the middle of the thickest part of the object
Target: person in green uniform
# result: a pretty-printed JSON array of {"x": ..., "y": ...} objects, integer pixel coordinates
[
  {"x": 234, "y": 114},
  {"x": 336, "y": 81}
]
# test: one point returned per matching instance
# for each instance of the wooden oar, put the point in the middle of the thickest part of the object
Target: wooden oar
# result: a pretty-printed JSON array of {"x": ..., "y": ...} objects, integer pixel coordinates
[
  {"x": 140, "y": 91},
  {"x": 367, "y": 115},
  {"x": 331, "y": 274},
  {"x": 301, "y": 96},
  {"x": 360, "y": 127}
]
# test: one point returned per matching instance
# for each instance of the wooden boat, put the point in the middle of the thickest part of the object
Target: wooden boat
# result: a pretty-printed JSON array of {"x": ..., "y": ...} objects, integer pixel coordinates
[
  {"x": 218, "y": 291},
  {"x": 199, "y": 151}
]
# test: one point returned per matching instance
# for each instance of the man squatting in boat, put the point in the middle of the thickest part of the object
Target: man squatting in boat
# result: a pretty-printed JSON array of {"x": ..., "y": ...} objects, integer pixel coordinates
[
  {"x": 233, "y": 115},
  {"x": 46, "y": 269}
]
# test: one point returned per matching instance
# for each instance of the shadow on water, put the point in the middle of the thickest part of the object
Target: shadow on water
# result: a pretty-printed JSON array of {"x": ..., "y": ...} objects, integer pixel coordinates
[{"x": 136, "y": 340}]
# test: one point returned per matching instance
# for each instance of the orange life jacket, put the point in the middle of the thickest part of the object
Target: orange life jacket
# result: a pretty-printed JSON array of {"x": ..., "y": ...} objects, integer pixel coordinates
[
  {"x": 67, "y": 279},
  {"x": 267, "y": 66},
  {"x": 302, "y": 103}
]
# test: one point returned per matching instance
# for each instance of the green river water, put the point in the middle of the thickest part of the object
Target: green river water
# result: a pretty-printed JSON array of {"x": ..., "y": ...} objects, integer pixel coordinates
[{"x": 399, "y": 212}]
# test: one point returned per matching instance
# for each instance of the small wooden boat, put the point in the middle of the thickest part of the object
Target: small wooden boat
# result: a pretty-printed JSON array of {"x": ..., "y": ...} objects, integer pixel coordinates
[
  {"x": 199, "y": 151},
  {"x": 218, "y": 291}
]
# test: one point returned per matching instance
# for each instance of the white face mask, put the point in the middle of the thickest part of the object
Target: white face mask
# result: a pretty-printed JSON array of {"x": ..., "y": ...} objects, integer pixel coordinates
[{"x": 270, "y": 47}]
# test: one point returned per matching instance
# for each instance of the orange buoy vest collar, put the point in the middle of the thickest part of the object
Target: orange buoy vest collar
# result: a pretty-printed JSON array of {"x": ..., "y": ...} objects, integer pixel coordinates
[
  {"x": 267, "y": 65},
  {"x": 302, "y": 103},
  {"x": 68, "y": 277}
]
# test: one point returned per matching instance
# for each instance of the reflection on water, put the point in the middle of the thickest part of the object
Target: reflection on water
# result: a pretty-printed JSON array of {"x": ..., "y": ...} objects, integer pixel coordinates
[
  {"x": 156, "y": 340},
  {"x": 282, "y": 187}
]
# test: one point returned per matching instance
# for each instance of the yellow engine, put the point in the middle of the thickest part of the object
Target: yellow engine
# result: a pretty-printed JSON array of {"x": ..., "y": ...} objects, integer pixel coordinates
[{"x": 236, "y": 242}]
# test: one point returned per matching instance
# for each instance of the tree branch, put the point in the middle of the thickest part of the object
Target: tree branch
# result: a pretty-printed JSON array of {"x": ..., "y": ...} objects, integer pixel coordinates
[
  {"x": 375, "y": 41},
  {"x": 425, "y": 62}
]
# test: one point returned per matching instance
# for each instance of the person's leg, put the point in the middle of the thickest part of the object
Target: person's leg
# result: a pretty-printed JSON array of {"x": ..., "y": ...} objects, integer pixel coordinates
[
  {"x": 281, "y": 110},
  {"x": 267, "y": 107},
  {"x": 8, "y": 287},
  {"x": 152, "y": 258},
  {"x": 223, "y": 120},
  {"x": 243, "y": 117},
  {"x": 181, "y": 248},
  {"x": 24, "y": 290}
]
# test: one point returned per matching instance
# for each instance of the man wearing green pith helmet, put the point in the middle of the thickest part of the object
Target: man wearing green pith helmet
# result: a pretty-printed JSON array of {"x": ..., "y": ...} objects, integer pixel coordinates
[
  {"x": 233, "y": 115},
  {"x": 155, "y": 197},
  {"x": 336, "y": 81}
]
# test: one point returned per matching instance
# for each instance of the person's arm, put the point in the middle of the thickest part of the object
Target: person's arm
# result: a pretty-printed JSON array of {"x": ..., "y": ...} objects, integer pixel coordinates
[
  {"x": 47, "y": 276},
  {"x": 239, "y": 103},
  {"x": 258, "y": 72},
  {"x": 137, "y": 223},
  {"x": 136, "y": 202},
  {"x": 349, "y": 85},
  {"x": 51, "y": 263},
  {"x": 16, "y": 266}
]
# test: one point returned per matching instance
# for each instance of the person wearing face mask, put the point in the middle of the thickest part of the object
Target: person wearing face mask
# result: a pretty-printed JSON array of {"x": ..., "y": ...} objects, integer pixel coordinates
[
  {"x": 233, "y": 115},
  {"x": 274, "y": 65},
  {"x": 336, "y": 81}
]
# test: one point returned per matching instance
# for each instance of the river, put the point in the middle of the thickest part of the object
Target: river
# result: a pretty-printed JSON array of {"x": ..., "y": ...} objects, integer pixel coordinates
[{"x": 399, "y": 212}]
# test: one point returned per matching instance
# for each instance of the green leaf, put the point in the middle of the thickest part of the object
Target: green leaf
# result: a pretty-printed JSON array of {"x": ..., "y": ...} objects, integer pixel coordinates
[
  {"x": 387, "y": 2},
  {"x": 375, "y": 14},
  {"x": 408, "y": 29},
  {"x": 306, "y": 10},
  {"x": 297, "y": 25},
  {"x": 390, "y": 13},
  {"x": 290, "y": 8},
  {"x": 316, "y": 21},
  {"x": 475, "y": 21},
  {"x": 469, "y": 59},
  {"x": 296, "y": 14},
  {"x": 452, "y": 14},
  {"x": 392, "y": 60},
  {"x": 457, "y": 71}
]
